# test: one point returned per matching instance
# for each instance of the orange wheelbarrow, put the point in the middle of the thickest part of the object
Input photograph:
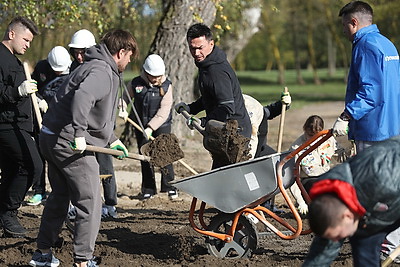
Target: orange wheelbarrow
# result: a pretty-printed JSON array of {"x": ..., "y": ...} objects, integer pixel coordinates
[{"x": 237, "y": 191}]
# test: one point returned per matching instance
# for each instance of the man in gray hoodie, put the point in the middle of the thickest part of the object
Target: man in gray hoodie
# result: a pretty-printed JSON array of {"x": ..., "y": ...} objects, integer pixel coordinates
[{"x": 82, "y": 112}]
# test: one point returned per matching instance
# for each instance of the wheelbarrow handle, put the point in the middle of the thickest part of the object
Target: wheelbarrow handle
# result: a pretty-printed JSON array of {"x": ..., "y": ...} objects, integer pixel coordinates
[
  {"x": 114, "y": 152},
  {"x": 195, "y": 124}
]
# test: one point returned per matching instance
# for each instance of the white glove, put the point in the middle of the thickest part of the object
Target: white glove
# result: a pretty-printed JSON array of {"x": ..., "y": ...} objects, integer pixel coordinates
[
  {"x": 286, "y": 98},
  {"x": 148, "y": 131},
  {"x": 118, "y": 145},
  {"x": 123, "y": 114},
  {"x": 340, "y": 127},
  {"x": 42, "y": 105},
  {"x": 190, "y": 122},
  {"x": 303, "y": 208},
  {"x": 182, "y": 106},
  {"x": 27, "y": 87},
  {"x": 79, "y": 145}
]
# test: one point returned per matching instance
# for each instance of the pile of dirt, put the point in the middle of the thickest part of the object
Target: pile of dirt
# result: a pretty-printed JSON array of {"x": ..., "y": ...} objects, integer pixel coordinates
[
  {"x": 225, "y": 143},
  {"x": 163, "y": 150}
]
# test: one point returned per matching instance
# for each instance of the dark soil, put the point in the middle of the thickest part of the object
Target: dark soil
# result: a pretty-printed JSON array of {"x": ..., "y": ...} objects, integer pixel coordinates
[{"x": 157, "y": 232}]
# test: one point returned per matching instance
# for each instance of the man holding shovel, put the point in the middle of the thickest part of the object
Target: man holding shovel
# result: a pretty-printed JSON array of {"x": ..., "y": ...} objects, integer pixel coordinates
[
  {"x": 221, "y": 95},
  {"x": 19, "y": 157},
  {"x": 83, "y": 111}
]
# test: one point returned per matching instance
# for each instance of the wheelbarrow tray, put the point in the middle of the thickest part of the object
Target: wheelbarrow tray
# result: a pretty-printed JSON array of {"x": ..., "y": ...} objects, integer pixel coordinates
[{"x": 233, "y": 187}]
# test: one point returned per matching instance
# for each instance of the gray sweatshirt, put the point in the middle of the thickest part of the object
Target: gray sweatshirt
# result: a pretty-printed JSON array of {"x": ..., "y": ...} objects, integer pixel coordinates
[{"x": 85, "y": 105}]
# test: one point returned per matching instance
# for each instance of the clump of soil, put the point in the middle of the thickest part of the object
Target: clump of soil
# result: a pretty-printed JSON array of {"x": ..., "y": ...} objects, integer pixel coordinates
[
  {"x": 163, "y": 150},
  {"x": 225, "y": 143}
]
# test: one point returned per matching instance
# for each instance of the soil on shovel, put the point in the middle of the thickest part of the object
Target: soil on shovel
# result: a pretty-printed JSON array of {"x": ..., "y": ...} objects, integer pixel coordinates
[
  {"x": 163, "y": 150},
  {"x": 226, "y": 144}
]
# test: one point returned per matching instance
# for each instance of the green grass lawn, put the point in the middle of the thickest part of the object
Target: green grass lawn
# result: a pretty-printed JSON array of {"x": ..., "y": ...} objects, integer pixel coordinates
[{"x": 263, "y": 86}]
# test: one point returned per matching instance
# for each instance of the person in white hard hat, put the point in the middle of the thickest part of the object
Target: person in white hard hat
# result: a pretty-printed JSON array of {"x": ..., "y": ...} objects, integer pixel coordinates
[
  {"x": 152, "y": 93},
  {"x": 59, "y": 62},
  {"x": 80, "y": 41}
]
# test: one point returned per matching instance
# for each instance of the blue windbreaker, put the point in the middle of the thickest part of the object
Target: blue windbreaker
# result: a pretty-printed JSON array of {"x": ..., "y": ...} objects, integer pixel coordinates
[{"x": 373, "y": 88}]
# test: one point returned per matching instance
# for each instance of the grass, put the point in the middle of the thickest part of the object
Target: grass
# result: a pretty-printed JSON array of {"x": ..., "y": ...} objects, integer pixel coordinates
[{"x": 262, "y": 85}]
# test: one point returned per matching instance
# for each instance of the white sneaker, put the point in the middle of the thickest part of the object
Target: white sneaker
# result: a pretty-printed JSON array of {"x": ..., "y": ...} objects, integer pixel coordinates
[
  {"x": 172, "y": 194},
  {"x": 71, "y": 212},
  {"x": 109, "y": 211}
]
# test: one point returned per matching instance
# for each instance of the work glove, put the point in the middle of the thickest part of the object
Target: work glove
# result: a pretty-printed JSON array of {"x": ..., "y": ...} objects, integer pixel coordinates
[
  {"x": 148, "y": 132},
  {"x": 42, "y": 105},
  {"x": 78, "y": 145},
  {"x": 190, "y": 122},
  {"x": 182, "y": 106},
  {"x": 123, "y": 114},
  {"x": 340, "y": 127},
  {"x": 118, "y": 145},
  {"x": 27, "y": 87},
  {"x": 303, "y": 208},
  {"x": 286, "y": 98}
]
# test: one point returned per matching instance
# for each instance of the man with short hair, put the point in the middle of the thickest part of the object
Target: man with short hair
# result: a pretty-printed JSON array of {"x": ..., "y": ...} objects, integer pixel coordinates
[
  {"x": 19, "y": 157},
  {"x": 221, "y": 95},
  {"x": 82, "y": 111},
  {"x": 359, "y": 200}
]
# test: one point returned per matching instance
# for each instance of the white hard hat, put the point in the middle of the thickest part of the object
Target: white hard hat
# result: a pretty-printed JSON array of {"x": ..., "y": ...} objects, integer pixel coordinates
[
  {"x": 82, "y": 39},
  {"x": 154, "y": 65},
  {"x": 59, "y": 59}
]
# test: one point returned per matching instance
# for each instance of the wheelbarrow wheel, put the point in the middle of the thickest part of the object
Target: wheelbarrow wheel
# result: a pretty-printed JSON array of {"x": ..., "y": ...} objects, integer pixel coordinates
[{"x": 244, "y": 240}]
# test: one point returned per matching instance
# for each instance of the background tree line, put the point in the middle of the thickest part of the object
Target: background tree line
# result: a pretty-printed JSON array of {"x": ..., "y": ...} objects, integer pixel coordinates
[{"x": 255, "y": 34}]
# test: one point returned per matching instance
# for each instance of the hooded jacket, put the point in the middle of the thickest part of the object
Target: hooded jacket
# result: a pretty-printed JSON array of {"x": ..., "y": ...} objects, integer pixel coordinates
[
  {"x": 221, "y": 96},
  {"x": 373, "y": 88},
  {"x": 15, "y": 111},
  {"x": 375, "y": 175},
  {"x": 85, "y": 105}
]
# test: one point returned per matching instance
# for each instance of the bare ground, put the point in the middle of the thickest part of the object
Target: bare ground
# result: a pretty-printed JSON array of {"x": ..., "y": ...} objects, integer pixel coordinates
[{"x": 157, "y": 232}]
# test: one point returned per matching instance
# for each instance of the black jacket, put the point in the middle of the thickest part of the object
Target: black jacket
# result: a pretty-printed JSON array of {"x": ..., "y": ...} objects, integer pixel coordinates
[
  {"x": 15, "y": 111},
  {"x": 221, "y": 96}
]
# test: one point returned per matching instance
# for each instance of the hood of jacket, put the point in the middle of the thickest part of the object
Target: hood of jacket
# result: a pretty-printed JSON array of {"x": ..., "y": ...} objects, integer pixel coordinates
[
  {"x": 363, "y": 31},
  {"x": 101, "y": 52}
]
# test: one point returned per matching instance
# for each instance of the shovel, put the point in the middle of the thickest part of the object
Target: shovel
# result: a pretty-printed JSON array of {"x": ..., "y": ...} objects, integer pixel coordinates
[
  {"x": 146, "y": 147},
  {"x": 114, "y": 152}
]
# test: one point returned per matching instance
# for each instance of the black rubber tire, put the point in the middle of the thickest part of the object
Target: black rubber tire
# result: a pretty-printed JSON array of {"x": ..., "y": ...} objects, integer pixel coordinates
[{"x": 244, "y": 240}]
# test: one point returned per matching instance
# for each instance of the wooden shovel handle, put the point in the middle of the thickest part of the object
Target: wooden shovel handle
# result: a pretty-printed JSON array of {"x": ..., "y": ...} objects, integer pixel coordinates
[
  {"x": 33, "y": 97},
  {"x": 114, "y": 152},
  {"x": 281, "y": 123}
]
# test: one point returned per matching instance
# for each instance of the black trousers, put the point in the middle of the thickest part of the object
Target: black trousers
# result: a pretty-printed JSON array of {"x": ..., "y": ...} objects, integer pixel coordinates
[
  {"x": 109, "y": 184},
  {"x": 20, "y": 163},
  {"x": 148, "y": 176}
]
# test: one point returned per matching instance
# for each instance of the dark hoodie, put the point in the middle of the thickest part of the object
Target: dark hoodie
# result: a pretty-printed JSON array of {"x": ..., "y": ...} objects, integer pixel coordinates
[
  {"x": 85, "y": 105},
  {"x": 221, "y": 96}
]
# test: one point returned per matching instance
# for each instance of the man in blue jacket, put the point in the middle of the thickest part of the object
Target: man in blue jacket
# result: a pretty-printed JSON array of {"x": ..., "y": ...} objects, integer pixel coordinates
[
  {"x": 358, "y": 199},
  {"x": 372, "y": 108}
]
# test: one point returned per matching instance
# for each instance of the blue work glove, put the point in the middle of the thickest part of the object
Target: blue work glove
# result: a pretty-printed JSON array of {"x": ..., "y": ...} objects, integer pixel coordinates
[
  {"x": 182, "y": 106},
  {"x": 118, "y": 145}
]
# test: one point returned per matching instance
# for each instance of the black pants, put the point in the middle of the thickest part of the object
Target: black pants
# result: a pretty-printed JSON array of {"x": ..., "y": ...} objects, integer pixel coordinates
[
  {"x": 39, "y": 182},
  {"x": 109, "y": 184},
  {"x": 148, "y": 176},
  {"x": 20, "y": 163}
]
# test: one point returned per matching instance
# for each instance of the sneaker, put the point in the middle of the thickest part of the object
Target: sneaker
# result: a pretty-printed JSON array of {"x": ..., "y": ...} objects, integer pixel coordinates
[
  {"x": 35, "y": 200},
  {"x": 108, "y": 211},
  {"x": 383, "y": 256},
  {"x": 39, "y": 259},
  {"x": 90, "y": 263},
  {"x": 147, "y": 196},
  {"x": 267, "y": 204},
  {"x": 11, "y": 224},
  {"x": 71, "y": 212},
  {"x": 172, "y": 194}
]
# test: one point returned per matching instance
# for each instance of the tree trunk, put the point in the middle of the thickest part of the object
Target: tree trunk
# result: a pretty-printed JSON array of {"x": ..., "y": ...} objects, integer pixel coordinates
[
  {"x": 331, "y": 55},
  {"x": 233, "y": 43},
  {"x": 310, "y": 43},
  {"x": 295, "y": 29},
  {"x": 170, "y": 43}
]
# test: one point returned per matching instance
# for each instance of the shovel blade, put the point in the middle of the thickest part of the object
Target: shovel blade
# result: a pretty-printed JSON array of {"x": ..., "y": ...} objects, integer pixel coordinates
[{"x": 163, "y": 150}]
